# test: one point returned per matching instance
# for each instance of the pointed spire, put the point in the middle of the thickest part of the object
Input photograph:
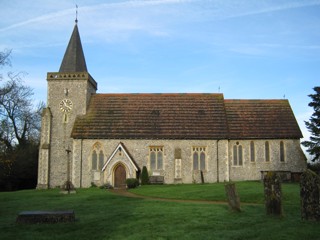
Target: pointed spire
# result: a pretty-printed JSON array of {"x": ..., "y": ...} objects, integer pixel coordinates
[{"x": 73, "y": 60}]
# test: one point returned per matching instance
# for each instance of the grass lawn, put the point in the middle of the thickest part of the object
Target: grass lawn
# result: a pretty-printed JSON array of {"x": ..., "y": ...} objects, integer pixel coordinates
[
  {"x": 250, "y": 192},
  {"x": 103, "y": 215}
]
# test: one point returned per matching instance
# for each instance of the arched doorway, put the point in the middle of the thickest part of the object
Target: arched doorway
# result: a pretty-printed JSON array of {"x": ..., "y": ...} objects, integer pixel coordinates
[{"x": 120, "y": 176}]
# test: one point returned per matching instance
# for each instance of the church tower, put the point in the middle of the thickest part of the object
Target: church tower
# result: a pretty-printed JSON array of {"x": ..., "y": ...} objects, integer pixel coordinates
[{"x": 69, "y": 93}]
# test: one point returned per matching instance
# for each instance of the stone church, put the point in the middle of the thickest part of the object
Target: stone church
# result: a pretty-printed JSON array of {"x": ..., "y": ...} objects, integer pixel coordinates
[{"x": 93, "y": 138}]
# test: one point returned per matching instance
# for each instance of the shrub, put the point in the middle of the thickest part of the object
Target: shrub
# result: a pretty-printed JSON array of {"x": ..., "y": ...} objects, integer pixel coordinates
[
  {"x": 106, "y": 186},
  {"x": 144, "y": 176},
  {"x": 132, "y": 182}
]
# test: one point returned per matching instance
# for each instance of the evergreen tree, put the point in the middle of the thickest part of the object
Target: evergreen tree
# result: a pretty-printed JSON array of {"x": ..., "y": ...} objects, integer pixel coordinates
[
  {"x": 313, "y": 125},
  {"x": 144, "y": 176}
]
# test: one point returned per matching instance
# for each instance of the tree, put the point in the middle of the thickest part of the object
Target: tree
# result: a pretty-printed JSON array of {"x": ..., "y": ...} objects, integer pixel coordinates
[
  {"x": 144, "y": 176},
  {"x": 4, "y": 59},
  {"x": 20, "y": 122},
  {"x": 313, "y": 125},
  {"x": 19, "y": 131}
]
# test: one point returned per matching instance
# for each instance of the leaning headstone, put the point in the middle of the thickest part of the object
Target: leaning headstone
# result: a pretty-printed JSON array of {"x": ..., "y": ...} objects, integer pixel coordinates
[
  {"x": 309, "y": 194},
  {"x": 233, "y": 197},
  {"x": 272, "y": 193}
]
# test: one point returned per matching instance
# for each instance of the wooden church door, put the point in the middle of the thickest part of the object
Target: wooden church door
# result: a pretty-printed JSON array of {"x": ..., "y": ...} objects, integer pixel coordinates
[{"x": 120, "y": 177}]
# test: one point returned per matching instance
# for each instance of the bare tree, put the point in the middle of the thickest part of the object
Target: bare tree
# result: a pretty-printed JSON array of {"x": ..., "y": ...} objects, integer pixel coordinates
[
  {"x": 20, "y": 121},
  {"x": 19, "y": 130},
  {"x": 5, "y": 59}
]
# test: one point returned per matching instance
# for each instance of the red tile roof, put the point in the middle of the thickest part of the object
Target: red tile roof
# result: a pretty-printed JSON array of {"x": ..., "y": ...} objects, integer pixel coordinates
[
  {"x": 153, "y": 116},
  {"x": 261, "y": 119},
  {"x": 184, "y": 116}
]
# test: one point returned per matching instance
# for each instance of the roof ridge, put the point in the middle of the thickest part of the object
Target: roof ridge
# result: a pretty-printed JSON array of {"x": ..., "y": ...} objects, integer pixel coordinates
[{"x": 160, "y": 94}]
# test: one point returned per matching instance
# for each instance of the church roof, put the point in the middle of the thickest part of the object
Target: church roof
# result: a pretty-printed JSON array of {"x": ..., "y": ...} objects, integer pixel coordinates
[
  {"x": 184, "y": 116},
  {"x": 261, "y": 119},
  {"x": 153, "y": 116},
  {"x": 73, "y": 60}
]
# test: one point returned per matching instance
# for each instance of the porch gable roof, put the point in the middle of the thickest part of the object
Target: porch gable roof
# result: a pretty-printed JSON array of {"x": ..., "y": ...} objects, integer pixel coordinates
[{"x": 123, "y": 149}]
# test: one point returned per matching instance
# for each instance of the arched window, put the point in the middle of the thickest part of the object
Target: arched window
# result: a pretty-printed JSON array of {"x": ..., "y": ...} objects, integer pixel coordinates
[
  {"x": 267, "y": 151},
  {"x": 202, "y": 161},
  {"x": 156, "y": 158},
  {"x": 101, "y": 160},
  {"x": 237, "y": 155},
  {"x": 152, "y": 160},
  {"x": 195, "y": 161},
  {"x": 97, "y": 156},
  {"x": 94, "y": 160},
  {"x": 159, "y": 160},
  {"x": 240, "y": 155},
  {"x": 199, "y": 158},
  {"x": 282, "y": 155},
  {"x": 252, "y": 152}
]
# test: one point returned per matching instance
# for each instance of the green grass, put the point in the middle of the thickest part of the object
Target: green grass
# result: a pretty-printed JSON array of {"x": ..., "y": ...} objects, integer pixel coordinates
[
  {"x": 249, "y": 192},
  {"x": 103, "y": 215}
]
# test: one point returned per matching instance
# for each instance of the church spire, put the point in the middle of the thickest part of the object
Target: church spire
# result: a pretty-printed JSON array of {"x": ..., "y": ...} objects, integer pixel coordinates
[{"x": 73, "y": 60}]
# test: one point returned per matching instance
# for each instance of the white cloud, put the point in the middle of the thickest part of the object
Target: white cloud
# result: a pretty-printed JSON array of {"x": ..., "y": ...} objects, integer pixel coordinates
[{"x": 120, "y": 20}]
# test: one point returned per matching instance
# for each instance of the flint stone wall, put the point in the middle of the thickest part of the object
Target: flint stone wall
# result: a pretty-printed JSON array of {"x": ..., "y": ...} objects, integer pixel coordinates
[{"x": 219, "y": 160}]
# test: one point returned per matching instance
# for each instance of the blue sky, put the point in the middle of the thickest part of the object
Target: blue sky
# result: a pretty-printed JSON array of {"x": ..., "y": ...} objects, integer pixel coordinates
[{"x": 244, "y": 49}]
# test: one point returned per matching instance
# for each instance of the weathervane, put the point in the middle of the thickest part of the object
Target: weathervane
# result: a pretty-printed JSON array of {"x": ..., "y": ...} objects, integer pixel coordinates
[{"x": 76, "y": 13}]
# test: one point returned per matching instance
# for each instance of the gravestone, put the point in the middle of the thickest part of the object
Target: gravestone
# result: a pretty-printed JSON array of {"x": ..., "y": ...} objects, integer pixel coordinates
[
  {"x": 309, "y": 194},
  {"x": 35, "y": 217},
  {"x": 272, "y": 194},
  {"x": 233, "y": 197}
]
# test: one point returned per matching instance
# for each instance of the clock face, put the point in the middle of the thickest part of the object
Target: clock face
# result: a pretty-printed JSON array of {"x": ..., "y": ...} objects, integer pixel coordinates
[{"x": 66, "y": 105}]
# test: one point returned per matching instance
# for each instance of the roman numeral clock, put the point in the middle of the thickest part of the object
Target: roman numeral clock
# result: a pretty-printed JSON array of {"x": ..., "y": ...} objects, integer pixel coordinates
[{"x": 66, "y": 105}]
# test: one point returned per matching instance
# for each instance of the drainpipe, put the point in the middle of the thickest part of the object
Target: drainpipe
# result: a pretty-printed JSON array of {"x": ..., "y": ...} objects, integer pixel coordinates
[
  {"x": 228, "y": 161},
  {"x": 218, "y": 160},
  {"x": 81, "y": 164}
]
